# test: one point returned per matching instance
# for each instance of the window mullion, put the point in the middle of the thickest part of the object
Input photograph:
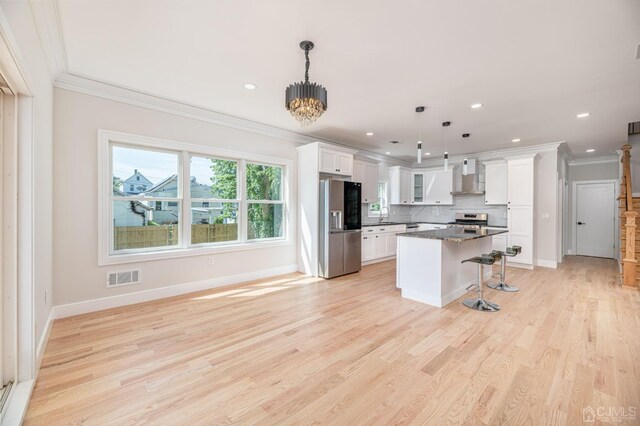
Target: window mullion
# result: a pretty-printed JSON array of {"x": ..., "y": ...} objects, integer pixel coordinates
[
  {"x": 185, "y": 195},
  {"x": 242, "y": 196}
]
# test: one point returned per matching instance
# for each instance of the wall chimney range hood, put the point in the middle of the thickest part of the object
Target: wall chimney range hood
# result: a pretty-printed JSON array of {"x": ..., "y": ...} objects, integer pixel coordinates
[{"x": 470, "y": 184}]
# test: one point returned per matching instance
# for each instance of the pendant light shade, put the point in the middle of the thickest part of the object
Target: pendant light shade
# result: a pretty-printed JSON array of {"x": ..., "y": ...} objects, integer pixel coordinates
[
  {"x": 446, "y": 154},
  {"x": 419, "y": 109},
  {"x": 306, "y": 101}
]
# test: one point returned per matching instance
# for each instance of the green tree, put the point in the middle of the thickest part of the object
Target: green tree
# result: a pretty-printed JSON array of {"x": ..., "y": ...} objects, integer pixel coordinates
[
  {"x": 117, "y": 183},
  {"x": 262, "y": 183}
]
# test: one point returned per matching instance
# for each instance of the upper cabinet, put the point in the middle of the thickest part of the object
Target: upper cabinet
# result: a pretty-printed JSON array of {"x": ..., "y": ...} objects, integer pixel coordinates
[
  {"x": 495, "y": 182},
  {"x": 432, "y": 187},
  {"x": 520, "y": 186},
  {"x": 367, "y": 174},
  {"x": 400, "y": 185},
  {"x": 335, "y": 162}
]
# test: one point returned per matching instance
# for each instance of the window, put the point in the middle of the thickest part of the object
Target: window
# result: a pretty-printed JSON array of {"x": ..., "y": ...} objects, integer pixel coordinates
[
  {"x": 265, "y": 204},
  {"x": 138, "y": 219},
  {"x": 214, "y": 200},
  {"x": 189, "y": 199},
  {"x": 382, "y": 206}
]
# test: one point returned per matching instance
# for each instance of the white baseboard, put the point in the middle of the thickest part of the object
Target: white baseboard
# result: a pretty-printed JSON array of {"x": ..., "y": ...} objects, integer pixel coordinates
[
  {"x": 382, "y": 259},
  {"x": 42, "y": 344},
  {"x": 519, "y": 265},
  {"x": 570, "y": 253},
  {"x": 78, "y": 308},
  {"x": 547, "y": 263}
]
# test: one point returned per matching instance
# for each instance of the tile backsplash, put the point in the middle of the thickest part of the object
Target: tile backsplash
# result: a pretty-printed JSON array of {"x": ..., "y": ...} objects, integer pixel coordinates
[{"x": 442, "y": 214}]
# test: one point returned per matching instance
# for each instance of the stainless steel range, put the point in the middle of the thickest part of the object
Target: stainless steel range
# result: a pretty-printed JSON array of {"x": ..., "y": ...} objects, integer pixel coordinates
[{"x": 469, "y": 220}]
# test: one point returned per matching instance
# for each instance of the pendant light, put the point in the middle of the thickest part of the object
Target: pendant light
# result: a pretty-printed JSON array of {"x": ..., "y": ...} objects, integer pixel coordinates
[
  {"x": 419, "y": 110},
  {"x": 446, "y": 154},
  {"x": 306, "y": 101}
]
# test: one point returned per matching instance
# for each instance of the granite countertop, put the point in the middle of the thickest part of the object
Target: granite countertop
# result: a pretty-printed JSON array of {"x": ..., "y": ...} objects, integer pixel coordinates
[
  {"x": 453, "y": 234},
  {"x": 404, "y": 223}
]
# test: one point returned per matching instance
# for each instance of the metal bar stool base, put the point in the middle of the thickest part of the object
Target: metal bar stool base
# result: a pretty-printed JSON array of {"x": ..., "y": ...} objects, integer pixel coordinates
[
  {"x": 481, "y": 305},
  {"x": 503, "y": 287}
]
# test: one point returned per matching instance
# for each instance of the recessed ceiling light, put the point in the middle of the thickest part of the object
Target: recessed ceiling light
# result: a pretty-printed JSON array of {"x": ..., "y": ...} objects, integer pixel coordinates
[
  {"x": 369, "y": 133},
  {"x": 476, "y": 106},
  {"x": 427, "y": 153},
  {"x": 387, "y": 153},
  {"x": 515, "y": 140},
  {"x": 583, "y": 115},
  {"x": 591, "y": 150},
  {"x": 250, "y": 86}
]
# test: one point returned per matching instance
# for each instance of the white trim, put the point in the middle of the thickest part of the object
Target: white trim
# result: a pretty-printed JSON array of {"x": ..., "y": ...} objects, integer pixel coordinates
[
  {"x": 616, "y": 216},
  {"x": 519, "y": 265},
  {"x": 547, "y": 263},
  {"x": 63, "y": 311},
  {"x": 42, "y": 344},
  {"x": 594, "y": 160},
  {"x": 47, "y": 20},
  {"x": 18, "y": 402},
  {"x": 105, "y": 255},
  {"x": 570, "y": 253}
]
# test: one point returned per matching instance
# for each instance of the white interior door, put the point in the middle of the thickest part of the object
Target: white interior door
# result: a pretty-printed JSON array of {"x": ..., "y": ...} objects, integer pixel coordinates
[{"x": 595, "y": 219}]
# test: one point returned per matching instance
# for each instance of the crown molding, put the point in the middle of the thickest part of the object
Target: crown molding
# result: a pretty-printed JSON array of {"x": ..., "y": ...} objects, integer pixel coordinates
[
  {"x": 496, "y": 154},
  {"x": 47, "y": 20},
  {"x": 89, "y": 86},
  {"x": 594, "y": 160}
]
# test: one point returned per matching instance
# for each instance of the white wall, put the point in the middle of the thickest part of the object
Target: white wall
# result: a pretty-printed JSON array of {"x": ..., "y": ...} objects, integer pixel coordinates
[
  {"x": 545, "y": 239},
  {"x": 78, "y": 117},
  {"x": 579, "y": 172},
  {"x": 35, "y": 68}
]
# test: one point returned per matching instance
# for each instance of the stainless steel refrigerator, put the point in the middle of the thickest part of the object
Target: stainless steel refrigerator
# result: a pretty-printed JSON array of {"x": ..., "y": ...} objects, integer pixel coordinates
[{"x": 340, "y": 223}]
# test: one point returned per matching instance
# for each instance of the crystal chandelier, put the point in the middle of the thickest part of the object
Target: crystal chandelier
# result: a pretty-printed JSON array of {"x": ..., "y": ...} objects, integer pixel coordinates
[{"x": 306, "y": 101}]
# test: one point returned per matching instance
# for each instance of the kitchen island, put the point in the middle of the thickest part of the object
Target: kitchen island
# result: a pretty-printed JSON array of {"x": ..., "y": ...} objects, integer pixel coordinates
[{"x": 428, "y": 263}]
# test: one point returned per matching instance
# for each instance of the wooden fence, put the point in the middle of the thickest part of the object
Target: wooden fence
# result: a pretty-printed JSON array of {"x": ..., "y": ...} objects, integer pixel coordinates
[{"x": 132, "y": 237}]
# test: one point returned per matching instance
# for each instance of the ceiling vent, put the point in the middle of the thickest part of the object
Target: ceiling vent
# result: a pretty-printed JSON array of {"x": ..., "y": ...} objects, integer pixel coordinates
[
  {"x": 634, "y": 128},
  {"x": 117, "y": 279},
  {"x": 394, "y": 142}
]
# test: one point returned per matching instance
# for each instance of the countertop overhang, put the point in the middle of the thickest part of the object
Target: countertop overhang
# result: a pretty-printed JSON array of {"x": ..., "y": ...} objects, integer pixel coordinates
[{"x": 453, "y": 234}]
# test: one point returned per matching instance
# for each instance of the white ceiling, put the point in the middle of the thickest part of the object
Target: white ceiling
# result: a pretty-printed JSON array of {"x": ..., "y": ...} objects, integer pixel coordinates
[{"x": 534, "y": 64}]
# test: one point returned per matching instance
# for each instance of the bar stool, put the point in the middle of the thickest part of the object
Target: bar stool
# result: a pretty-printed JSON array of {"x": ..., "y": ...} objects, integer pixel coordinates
[
  {"x": 479, "y": 304},
  {"x": 502, "y": 285}
]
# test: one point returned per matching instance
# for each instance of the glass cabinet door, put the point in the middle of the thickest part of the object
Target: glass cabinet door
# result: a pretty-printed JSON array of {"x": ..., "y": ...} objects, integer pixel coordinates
[{"x": 418, "y": 188}]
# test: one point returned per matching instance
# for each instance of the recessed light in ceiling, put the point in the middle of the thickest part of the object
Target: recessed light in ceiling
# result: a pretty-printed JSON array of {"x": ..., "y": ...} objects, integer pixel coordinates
[
  {"x": 515, "y": 140},
  {"x": 591, "y": 150},
  {"x": 583, "y": 114},
  {"x": 476, "y": 106},
  {"x": 250, "y": 86},
  {"x": 387, "y": 153},
  {"x": 427, "y": 154},
  {"x": 369, "y": 133}
]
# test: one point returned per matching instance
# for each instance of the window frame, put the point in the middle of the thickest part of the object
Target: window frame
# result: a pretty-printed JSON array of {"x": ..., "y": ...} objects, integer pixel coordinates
[
  {"x": 376, "y": 213},
  {"x": 248, "y": 201},
  {"x": 185, "y": 151}
]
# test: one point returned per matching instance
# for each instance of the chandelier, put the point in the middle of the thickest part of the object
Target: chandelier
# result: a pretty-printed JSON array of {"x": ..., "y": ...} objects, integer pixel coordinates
[{"x": 306, "y": 101}]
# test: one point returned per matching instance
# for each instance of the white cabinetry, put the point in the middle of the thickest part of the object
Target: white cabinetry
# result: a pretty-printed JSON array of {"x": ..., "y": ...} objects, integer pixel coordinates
[
  {"x": 438, "y": 185},
  {"x": 335, "y": 162},
  {"x": 367, "y": 174},
  {"x": 400, "y": 185},
  {"x": 520, "y": 198},
  {"x": 499, "y": 242},
  {"x": 379, "y": 242},
  {"x": 495, "y": 183}
]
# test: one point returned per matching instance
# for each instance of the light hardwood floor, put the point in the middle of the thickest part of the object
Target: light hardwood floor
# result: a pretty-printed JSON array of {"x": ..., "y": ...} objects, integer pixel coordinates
[{"x": 295, "y": 350}]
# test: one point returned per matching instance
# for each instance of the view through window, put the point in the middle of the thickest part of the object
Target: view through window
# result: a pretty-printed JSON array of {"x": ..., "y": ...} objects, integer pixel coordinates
[{"x": 149, "y": 191}]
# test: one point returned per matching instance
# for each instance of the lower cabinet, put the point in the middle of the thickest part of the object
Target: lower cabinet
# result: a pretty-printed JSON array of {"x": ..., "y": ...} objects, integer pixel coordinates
[{"x": 379, "y": 242}]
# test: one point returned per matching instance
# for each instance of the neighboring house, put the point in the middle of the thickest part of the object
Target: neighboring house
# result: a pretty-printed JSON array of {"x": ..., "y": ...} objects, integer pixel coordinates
[
  {"x": 167, "y": 211},
  {"x": 136, "y": 184},
  {"x": 130, "y": 213}
]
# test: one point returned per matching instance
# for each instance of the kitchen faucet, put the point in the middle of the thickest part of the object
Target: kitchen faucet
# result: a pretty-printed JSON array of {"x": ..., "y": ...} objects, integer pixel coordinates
[{"x": 382, "y": 213}]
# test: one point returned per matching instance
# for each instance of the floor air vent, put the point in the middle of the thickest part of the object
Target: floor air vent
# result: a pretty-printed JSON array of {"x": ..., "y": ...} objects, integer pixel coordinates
[{"x": 116, "y": 279}]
